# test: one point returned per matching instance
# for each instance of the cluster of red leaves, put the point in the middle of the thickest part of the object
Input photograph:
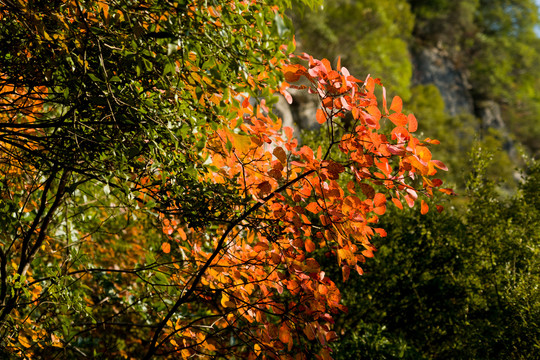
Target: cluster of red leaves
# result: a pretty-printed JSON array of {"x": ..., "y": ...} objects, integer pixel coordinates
[{"x": 264, "y": 268}]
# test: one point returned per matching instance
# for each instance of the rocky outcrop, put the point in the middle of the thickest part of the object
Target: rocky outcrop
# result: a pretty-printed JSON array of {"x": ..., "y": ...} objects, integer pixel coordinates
[
  {"x": 489, "y": 113},
  {"x": 434, "y": 66},
  {"x": 301, "y": 113}
]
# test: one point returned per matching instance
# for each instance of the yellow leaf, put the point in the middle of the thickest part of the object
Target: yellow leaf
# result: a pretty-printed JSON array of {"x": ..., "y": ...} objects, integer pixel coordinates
[
  {"x": 257, "y": 349},
  {"x": 225, "y": 301},
  {"x": 24, "y": 341}
]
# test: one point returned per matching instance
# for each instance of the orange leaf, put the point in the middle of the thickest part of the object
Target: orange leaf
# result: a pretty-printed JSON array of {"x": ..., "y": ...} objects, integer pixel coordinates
[
  {"x": 397, "y": 104},
  {"x": 310, "y": 246},
  {"x": 321, "y": 117},
  {"x": 448, "y": 191},
  {"x": 381, "y": 232},
  {"x": 166, "y": 247},
  {"x": 288, "y": 132},
  {"x": 379, "y": 210},
  {"x": 284, "y": 334},
  {"x": 379, "y": 199},
  {"x": 225, "y": 301},
  {"x": 314, "y": 208},
  {"x": 397, "y": 203},
  {"x": 374, "y": 110},
  {"x": 327, "y": 65},
  {"x": 424, "y": 208},
  {"x": 398, "y": 119},
  {"x": 308, "y": 330},
  {"x": 182, "y": 234},
  {"x": 384, "y": 100},
  {"x": 413, "y": 124},
  {"x": 293, "y": 72}
]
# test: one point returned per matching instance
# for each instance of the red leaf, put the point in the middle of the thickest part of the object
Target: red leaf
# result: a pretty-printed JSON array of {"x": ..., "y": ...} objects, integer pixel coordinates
[
  {"x": 367, "y": 190},
  {"x": 280, "y": 154},
  {"x": 265, "y": 187},
  {"x": 410, "y": 200},
  {"x": 308, "y": 330},
  {"x": 350, "y": 187},
  {"x": 287, "y": 96},
  {"x": 346, "y": 270}
]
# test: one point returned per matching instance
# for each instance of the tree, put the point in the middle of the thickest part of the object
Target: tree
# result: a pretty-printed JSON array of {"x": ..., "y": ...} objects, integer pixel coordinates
[
  {"x": 148, "y": 191},
  {"x": 457, "y": 286}
]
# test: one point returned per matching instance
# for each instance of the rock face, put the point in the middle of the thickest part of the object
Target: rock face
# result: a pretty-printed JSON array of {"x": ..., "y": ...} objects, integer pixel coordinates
[
  {"x": 434, "y": 66},
  {"x": 301, "y": 113},
  {"x": 490, "y": 116}
]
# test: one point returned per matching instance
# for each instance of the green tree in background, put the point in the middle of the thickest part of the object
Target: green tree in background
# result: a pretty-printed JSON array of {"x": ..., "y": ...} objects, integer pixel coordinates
[
  {"x": 370, "y": 36},
  {"x": 464, "y": 286},
  {"x": 461, "y": 287}
]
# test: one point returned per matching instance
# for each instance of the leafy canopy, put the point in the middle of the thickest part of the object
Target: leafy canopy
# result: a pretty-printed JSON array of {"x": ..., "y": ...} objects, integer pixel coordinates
[{"x": 148, "y": 190}]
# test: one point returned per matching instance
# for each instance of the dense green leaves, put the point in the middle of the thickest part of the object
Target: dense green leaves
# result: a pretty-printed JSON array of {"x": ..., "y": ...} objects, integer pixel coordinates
[{"x": 461, "y": 286}]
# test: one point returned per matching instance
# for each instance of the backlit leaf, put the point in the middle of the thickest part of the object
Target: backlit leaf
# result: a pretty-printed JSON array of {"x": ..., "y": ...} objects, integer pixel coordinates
[{"x": 397, "y": 104}]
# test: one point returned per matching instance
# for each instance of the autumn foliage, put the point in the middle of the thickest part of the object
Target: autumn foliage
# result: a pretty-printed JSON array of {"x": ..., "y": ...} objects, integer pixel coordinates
[{"x": 206, "y": 235}]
